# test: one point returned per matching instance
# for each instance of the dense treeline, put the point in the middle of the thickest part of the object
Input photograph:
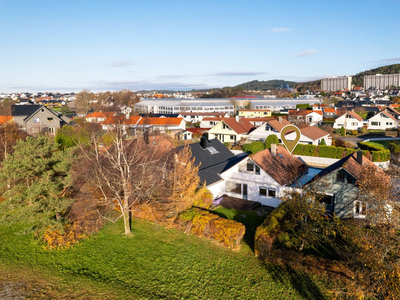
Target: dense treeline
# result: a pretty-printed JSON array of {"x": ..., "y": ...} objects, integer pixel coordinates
[{"x": 358, "y": 80}]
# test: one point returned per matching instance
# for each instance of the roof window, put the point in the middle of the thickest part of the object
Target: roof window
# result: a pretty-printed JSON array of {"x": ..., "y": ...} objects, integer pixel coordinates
[{"x": 212, "y": 150}]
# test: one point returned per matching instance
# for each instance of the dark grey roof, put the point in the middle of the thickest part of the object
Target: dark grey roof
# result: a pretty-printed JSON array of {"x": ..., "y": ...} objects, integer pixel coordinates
[
  {"x": 211, "y": 165},
  {"x": 23, "y": 110}
]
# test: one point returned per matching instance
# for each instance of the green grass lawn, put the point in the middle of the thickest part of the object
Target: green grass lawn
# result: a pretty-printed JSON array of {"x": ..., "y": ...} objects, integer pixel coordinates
[
  {"x": 154, "y": 263},
  {"x": 380, "y": 144}
]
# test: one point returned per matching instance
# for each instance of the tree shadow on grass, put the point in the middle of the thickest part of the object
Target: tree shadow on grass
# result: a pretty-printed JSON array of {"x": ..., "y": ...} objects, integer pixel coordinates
[
  {"x": 299, "y": 280},
  {"x": 250, "y": 219}
]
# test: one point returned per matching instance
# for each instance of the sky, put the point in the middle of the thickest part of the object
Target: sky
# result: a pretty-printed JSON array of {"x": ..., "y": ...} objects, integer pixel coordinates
[{"x": 100, "y": 45}]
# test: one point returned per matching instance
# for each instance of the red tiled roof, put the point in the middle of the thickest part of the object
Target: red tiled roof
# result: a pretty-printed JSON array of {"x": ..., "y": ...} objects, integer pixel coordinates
[
  {"x": 300, "y": 112},
  {"x": 355, "y": 115},
  {"x": 312, "y": 132},
  {"x": 5, "y": 119},
  {"x": 318, "y": 112},
  {"x": 284, "y": 169},
  {"x": 329, "y": 110},
  {"x": 388, "y": 115},
  {"x": 99, "y": 114},
  {"x": 243, "y": 126},
  {"x": 212, "y": 119},
  {"x": 277, "y": 125},
  {"x": 159, "y": 121}
]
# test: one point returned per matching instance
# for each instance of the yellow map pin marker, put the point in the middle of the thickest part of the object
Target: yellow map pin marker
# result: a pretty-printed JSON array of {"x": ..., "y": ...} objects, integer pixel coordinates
[{"x": 290, "y": 145}]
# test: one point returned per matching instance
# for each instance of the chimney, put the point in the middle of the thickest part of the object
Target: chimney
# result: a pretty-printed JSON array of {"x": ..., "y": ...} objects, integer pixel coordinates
[
  {"x": 237, "y": 119},
  {"x": 273, "y": 150},
  {"x": 203, "y": 142},
  {"x": 359, "y": 157},
  {"x": 280, "y": 120}
]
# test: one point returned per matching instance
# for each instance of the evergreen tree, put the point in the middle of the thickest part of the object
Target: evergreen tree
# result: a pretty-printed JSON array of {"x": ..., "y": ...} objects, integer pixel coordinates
[{"x": 35, "y": 178}]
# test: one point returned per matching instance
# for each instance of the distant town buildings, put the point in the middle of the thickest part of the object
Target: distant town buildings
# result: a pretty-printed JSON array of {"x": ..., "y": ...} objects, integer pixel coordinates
[
  {"x": 381, "y": 82},
  {"x": 336, "y": 83}
]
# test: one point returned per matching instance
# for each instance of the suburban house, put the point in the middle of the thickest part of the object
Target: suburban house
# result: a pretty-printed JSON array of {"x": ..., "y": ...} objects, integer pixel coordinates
[
  {"x": 212, "y": 158},
  {"x": 383, "y": 121},
  {"x": 98, "y": 116},
  {"x": 270, "y": 127},
  {"x": 329, "y": 113},
  {"x": 35, "y": 119},
  {"x": 140, "y": 124},
  {"x": 255, "y": 113},
  {"x": 195, "y": 117},
  {"x": 314, "y": 118},
  {"x": 310, "y": 135},
  {"x": 263, "y": 176},
  {"x": 349, "y": 120},
  {"x": 298, "y": 116},
  {"x": 339, "y": 184},
  {"x": 209, "y": 122},
  {"x": 231, "y": 129}
]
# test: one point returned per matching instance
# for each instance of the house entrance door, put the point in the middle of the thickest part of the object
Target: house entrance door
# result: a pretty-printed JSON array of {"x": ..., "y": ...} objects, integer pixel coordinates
[{"x": 244, "y": 191}]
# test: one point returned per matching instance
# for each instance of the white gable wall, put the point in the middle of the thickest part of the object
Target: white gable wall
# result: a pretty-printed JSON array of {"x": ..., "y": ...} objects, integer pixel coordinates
[
  {"x": 382, "y": 122},
  {"x": 351, "y": 123},
  {"x": 254, "y": 182}
]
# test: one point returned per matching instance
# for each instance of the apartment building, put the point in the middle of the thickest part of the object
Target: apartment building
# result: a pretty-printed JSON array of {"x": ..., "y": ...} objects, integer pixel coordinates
[
  {"x": 381, "y": 82},
  {"x": 336, "y": 83}
]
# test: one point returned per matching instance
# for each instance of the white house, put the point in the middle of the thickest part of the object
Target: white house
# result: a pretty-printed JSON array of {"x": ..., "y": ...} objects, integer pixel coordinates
[
  {"x": 270, "y": 127},
  {"x": 310, "y": 135},
  {"x": 230, "y": 129},
  {"x": 195, "y": 117},
  {"x": 314, "y": 118},
  {"x": 383, "y": 121},
  {"x": 264, "y": 176},
  {"x": 349, "y": 120},
  {"x": 209, "y": 122}
]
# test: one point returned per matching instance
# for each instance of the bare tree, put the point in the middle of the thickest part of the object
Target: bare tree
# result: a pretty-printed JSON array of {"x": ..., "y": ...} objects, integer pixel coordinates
[
  {"x": 83, "y": 101},
  {"x": 125, "y": 174}
]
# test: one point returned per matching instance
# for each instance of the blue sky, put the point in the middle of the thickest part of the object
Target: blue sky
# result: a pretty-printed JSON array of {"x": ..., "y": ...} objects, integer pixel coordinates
[{"x": 111, "y": 45}]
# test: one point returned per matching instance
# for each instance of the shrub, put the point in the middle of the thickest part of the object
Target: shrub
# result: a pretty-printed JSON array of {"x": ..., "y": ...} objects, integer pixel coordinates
[
  {"x": 342, "y": 131},
  {"x": 253, "y": 147},
  {"x": 363, "y": 130},
  {"x": 227, "y": 145},
  {"x": 323, "y": 143},
  {"x": 202, "y": 223},
  {"x": 354, "y": 132},
  {"x": 271, "y": 139}
]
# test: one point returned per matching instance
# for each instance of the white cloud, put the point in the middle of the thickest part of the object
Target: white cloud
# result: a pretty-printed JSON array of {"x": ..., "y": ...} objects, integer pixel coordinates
[
  {"x": 306, "y": 53},
  {"x": 279, "y": 29}
]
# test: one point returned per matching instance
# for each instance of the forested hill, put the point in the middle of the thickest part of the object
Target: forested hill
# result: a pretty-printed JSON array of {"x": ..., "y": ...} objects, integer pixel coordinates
[
  {"x": 358, "y": 80},
  {"x": 266, "y": 85}
]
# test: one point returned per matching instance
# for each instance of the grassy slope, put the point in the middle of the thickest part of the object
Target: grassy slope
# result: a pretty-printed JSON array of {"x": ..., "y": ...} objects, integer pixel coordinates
[{"x": 154, "y": 263}]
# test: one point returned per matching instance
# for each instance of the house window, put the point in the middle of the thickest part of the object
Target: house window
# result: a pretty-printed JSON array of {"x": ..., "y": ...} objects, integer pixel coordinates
[
  {"x": 339, "y": 177},
  {"x": 326, "y": 199},
  {"x": 350, "y": 179},
  {"x": 353, "y": 124},
  {"x": 388, "y": 123},
  {"x": 233, "y": 187},
  {"x": 360, "y": 209},
  {"x": 263, "y": 191},
  {"x": 232, "y": 137},
  {"x": 271, "y": 192},
  {"x": 375, "y": 123},
  {"x": 224, "y": 126},
  {"x": 51, "y": 129},
  {"x": 49, "y": 119},
  {"x": 250, "y": 167},
  {"x": 36, "y": 120}
]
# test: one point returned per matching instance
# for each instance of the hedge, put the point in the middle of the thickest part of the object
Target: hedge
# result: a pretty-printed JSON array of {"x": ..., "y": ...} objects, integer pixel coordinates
[
  {"x": 373, "y": 153},
  {"x": 253, "y": 147}
]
